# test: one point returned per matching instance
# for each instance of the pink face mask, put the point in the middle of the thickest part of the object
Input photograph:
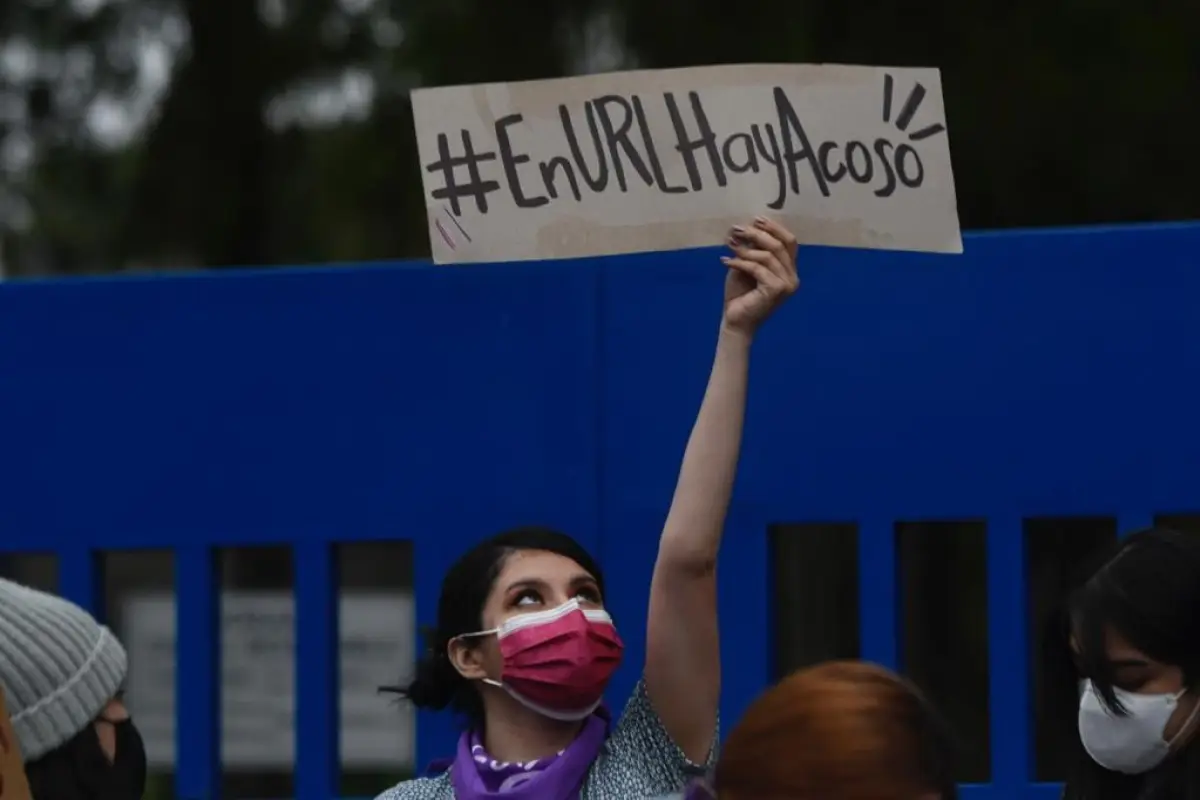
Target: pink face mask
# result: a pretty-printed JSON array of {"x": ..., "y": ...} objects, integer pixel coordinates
[{"x": 558, "y": 662}]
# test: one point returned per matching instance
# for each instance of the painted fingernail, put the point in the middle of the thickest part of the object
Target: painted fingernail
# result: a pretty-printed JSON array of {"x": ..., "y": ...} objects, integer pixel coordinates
[
  {"x": 725, "y": 259},
  {"x": 739, "y": 229},
  {"x": 760, "y": 220}
]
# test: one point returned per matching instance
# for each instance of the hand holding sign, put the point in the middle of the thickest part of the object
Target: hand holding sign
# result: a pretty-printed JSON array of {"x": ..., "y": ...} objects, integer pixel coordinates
[{"x": 762, "y": 273}]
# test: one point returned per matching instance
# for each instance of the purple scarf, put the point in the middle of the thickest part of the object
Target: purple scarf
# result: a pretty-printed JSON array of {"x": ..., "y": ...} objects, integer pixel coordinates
[{"x": 475, "y": 776}]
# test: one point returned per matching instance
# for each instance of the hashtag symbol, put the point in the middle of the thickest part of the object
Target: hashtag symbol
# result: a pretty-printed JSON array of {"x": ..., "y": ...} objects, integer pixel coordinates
[{"x": 448, "y": 165}]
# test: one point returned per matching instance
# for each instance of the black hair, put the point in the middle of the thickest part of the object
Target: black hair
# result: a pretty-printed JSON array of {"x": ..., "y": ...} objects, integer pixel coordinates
[
  {"x": 1145, "y": 587},
  {"x": 465, "y": 589}
]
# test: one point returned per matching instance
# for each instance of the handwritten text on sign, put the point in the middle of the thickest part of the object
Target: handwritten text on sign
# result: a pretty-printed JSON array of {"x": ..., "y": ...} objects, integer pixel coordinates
[{"x": 654, "y": 160}]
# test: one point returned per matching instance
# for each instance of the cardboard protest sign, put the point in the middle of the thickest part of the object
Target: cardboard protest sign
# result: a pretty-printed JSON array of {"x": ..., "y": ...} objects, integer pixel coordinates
[
  {"x": 13, "y": 784},
  {"x": 654, "y": 160}
]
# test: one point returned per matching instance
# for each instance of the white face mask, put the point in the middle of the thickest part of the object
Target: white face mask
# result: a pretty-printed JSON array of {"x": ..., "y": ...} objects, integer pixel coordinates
[{"x": 1132, "y": 744}]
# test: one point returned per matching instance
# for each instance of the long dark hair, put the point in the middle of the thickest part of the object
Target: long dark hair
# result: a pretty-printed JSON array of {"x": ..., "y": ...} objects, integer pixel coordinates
[
  {"x": 1146, "y": 588},
  {"x": 465, "y": 590}
]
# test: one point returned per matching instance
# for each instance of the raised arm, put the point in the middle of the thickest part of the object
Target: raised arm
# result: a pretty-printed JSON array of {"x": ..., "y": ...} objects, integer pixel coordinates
[{"x": 683, "y": 664}]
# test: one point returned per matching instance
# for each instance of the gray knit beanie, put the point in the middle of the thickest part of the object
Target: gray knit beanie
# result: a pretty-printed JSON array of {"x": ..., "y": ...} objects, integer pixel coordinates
[{"x": 59, "y": 667}]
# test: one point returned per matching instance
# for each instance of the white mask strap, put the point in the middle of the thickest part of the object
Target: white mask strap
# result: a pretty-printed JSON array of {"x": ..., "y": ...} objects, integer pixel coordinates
[
  {"x": 1187, "y": 723},
  {"x": 536, "y": 617},
  {"x": 473, "y": 634}
]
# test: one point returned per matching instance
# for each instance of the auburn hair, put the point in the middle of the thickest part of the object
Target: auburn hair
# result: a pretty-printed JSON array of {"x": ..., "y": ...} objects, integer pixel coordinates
[{"x": 838, "y": 731}]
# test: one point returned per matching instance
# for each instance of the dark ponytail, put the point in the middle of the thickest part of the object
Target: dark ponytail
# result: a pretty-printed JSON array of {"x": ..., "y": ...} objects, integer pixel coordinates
[{"x": 437, "y": 685}]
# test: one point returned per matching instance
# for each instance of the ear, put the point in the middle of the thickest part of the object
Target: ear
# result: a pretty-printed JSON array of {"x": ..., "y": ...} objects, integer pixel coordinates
[{"x": 467, "y": 658}]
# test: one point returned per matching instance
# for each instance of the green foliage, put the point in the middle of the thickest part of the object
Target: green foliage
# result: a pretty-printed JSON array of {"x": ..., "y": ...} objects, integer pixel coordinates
[{"x": 1060, "y": 113}]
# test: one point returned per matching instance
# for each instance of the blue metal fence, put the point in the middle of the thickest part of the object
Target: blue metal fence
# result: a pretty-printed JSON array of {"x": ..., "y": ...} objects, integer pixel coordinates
[{"x": 1040, "y": 374}]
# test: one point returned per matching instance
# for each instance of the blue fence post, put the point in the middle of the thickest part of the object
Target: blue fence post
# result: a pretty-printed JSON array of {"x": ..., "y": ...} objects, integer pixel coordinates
[
  {"x": 197, "y": 675},
  {"x": 317, "y": 679},
  {"x": 747, "y": 637},
  {"x": 1009, "y": 665},
  {"x": 878, "y": 592}
]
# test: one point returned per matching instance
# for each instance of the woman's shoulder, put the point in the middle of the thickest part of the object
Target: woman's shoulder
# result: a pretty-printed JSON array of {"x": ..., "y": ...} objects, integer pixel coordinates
[
  {"x": 438, "y": 788},
  {"x": 640, "y": 759}
]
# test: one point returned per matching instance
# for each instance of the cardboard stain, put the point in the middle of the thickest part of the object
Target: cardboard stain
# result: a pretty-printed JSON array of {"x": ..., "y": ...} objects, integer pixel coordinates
[{"x": 13, "y": 783}]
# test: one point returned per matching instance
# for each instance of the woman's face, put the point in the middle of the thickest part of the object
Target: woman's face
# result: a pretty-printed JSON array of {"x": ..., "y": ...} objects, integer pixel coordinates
[
  {"x": 1134, "y": 671},
  {"x": 529, "y": 581}
]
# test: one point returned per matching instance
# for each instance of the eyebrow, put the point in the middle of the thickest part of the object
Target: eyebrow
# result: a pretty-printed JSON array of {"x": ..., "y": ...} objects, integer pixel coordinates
[
  {"x": 526, "y": 583},
  {"x": 537, "y": 583}
]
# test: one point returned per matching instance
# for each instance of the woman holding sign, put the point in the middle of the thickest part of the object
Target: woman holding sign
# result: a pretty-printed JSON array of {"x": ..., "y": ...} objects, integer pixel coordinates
[{"x": 524, "y": 647}]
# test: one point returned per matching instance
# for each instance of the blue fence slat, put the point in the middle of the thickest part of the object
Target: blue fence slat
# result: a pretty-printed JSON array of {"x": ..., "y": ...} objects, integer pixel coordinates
[
  {"x": 1009, "y": 666},
  {"x": 747, "y": 612},
  {"x": 317, "y": 679},
  {"x": 197, "y": 675},
  {"x": 78, "y": 572},
  {"x": 878, "y": 572}
]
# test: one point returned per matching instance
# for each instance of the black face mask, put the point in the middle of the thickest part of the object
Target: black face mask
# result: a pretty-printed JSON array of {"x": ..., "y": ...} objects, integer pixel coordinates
[
  {"x": 125, "y": 777},
  {"x": 79, "y": 770}
]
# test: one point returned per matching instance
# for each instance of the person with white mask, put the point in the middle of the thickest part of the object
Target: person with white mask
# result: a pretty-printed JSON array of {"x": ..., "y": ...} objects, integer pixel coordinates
[{"x": 1127, "y": 644}]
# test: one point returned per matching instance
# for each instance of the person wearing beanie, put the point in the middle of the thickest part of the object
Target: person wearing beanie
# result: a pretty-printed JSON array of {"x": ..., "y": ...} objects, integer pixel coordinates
[{"x": 62, "y": 674}]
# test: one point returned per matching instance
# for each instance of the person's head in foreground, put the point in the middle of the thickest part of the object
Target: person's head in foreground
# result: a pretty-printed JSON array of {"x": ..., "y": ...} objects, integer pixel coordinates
[
  {"x": 62, "y": 674},
  {"x": 1123, "y": 666},
  {"x": 843, "y": 730}
]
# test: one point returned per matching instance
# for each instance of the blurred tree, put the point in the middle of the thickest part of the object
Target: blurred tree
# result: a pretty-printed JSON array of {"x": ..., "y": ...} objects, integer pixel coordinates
[
  {"x": 212, "y": 168},
  {"x": 60, "y": 63},
  {"x": 1061, "y": 113},
  {"x": 225, "y": 175}
]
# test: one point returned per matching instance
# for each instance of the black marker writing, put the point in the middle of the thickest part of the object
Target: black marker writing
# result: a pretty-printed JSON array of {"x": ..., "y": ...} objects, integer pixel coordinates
[
  {"x": 448, "y": 165},
  {"x": 706, "y": 140},
  {"x": 610, "y": 137},
  {"x": 511, "y": 161}
]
